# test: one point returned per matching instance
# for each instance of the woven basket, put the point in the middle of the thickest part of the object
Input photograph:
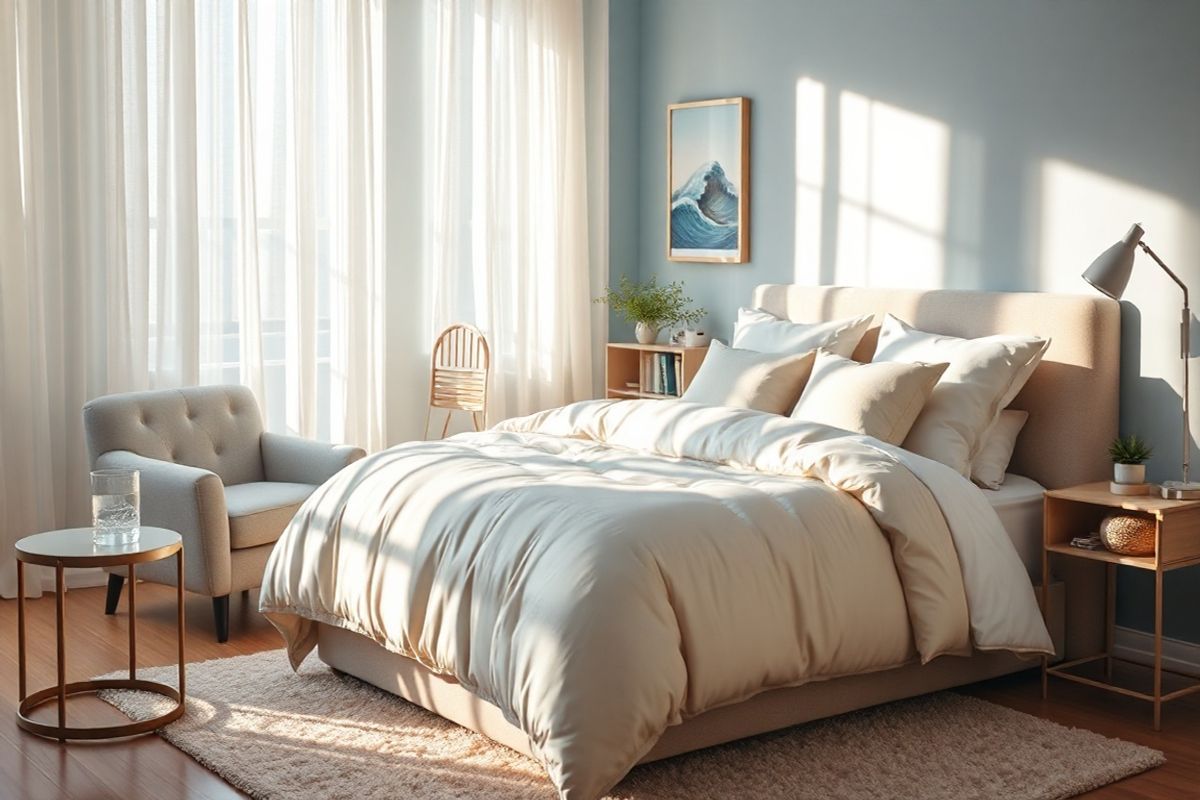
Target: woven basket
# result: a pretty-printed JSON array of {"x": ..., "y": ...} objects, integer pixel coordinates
[{"x": 1128, "y": 535}]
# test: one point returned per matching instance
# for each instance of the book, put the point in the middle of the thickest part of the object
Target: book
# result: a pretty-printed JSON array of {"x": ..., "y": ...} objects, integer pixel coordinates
[
  {"x": 678, "y": 376},
  {"x": 668, "y": 362},
  {"x": 1089, "y": 542}
]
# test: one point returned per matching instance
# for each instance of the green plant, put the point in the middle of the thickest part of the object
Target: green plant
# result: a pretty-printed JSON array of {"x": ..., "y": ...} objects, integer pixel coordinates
[
  {"x": 1129, "y": 450},
  {"x": 651, "y": 303},
  {"x": 690, "y": 318}
]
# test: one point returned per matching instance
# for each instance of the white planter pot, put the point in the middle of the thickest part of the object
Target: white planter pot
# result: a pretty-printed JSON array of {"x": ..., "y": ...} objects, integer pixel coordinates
[
  {"x": 646, "y": 333},
  {"x": 1129, "y": 473}
]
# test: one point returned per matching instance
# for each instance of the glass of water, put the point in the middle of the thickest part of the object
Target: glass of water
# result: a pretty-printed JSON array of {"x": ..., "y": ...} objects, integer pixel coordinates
[{"x": 116, "y": 507}]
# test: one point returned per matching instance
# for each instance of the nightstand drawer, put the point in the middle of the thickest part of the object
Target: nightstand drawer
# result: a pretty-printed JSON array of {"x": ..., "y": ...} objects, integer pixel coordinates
[{"x": 1179, "y": 539}]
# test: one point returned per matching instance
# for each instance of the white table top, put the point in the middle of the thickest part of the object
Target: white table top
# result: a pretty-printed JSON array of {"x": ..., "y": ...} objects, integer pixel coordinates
[{"x": 76, "y": 544}]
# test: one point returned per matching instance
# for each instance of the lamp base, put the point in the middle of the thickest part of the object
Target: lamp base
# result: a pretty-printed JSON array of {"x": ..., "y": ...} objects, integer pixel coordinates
[{"x": 1178, "y": 490}]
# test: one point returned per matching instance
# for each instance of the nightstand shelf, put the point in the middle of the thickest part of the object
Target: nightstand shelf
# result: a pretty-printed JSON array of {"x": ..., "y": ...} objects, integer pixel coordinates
[
  {"x": 636, "y": 394},
  {"x": 1077, "y": 511},
  {"x": 631, "y": 363},
  {"x": 1140, "y": 562}
]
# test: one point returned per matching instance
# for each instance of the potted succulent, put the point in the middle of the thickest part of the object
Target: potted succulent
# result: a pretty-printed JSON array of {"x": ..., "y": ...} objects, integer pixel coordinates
[
  {"x": 650, "y": 306},
  {"x": 1129, "y": 456}
]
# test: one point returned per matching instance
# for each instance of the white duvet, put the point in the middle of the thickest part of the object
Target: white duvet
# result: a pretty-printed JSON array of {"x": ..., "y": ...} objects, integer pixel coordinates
[{"x": 605, "y": 570}]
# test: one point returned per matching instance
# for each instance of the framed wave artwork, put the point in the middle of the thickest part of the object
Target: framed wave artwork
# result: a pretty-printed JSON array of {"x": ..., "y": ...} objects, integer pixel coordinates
[{"x": 708, "y": 180}]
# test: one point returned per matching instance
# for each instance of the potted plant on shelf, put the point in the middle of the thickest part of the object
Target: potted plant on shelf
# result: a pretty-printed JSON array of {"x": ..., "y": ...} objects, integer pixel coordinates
[
  {"x": 692, "y": 335},
  {"x": 650, "y": 307},
  {"x": 1129, "y": 456}
]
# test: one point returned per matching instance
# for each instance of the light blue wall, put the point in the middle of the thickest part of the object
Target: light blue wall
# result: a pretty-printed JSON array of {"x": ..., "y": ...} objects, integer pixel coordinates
[
  {"x": 1052, "y": 125},
  {"x": 624, "y": 132}
]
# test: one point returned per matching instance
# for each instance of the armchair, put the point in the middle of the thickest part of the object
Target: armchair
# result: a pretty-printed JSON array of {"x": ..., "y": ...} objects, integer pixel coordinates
[{"x": 210, "y": 472}]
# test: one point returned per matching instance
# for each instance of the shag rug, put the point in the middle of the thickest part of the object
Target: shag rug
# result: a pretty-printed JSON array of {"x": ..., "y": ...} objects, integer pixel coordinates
[{"x": 275, "y": 734}]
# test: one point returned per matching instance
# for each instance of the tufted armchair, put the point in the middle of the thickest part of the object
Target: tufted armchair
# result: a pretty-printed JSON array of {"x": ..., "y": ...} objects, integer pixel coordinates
[{"x": 210, "y": 472}]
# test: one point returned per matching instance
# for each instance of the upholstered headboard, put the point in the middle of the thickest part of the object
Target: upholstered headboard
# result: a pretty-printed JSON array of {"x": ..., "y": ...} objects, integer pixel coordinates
[{"x": 1072, "y": 398}]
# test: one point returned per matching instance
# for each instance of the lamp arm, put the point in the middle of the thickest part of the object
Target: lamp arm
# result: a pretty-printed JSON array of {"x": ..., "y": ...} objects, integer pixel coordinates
[
  {"x": 1167, "y": 270},
  {"x": 1185, "y": 354}
]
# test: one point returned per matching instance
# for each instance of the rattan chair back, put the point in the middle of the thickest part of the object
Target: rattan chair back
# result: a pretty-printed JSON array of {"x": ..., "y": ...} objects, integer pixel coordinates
[{"x": 458, "y": 375}]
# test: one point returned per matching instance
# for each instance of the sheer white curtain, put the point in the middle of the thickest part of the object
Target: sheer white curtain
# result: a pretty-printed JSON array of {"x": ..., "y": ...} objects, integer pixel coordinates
[
  {"x": 505, "y": 191},
  {"x": 189, "y": 192}
]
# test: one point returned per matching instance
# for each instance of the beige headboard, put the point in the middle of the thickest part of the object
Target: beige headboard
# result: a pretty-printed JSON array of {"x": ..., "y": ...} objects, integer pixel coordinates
[{"x": 1072, "y": 398}]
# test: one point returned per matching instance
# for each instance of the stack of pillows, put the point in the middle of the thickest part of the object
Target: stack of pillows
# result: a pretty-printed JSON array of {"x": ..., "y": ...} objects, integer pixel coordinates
[{"x": 941, "y": 397}]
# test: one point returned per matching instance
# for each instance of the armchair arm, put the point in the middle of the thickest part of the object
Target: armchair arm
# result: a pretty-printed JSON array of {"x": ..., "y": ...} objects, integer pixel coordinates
[
  {"x": 190, "y": 501},
  {"x": 290, "y": 459}
]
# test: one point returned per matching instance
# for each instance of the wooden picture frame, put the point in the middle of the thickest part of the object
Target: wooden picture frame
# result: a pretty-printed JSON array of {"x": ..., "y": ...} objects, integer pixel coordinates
[{"x": 708, "y": 181}]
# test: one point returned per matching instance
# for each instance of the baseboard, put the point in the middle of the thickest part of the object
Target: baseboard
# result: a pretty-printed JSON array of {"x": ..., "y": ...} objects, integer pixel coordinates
[
  {"x": 1138, "y": 646},
  {"x": 80, "y": 578}
]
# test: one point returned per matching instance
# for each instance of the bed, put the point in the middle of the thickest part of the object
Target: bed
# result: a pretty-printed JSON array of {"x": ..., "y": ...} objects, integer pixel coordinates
[{"x": 942, "y": 600}]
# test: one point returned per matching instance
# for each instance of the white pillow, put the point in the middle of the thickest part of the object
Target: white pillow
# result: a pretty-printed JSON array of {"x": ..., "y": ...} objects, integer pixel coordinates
[
  {"x": 991, "y": 464},
  {"x": 747, "y": 379},
  {"x": 759, "y": 330},
  {"x": 880, "y": 400},
  {"x": 983, "y": 377}
]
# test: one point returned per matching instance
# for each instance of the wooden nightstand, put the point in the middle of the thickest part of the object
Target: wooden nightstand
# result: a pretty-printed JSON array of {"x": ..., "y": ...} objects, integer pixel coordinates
[
  {"x": 1077, "y": 511},
  {"x": 630, "y": 363}
]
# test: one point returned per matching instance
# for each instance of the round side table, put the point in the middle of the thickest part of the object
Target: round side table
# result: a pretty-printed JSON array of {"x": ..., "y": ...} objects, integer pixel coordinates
[{"x": 74, "y": 548}]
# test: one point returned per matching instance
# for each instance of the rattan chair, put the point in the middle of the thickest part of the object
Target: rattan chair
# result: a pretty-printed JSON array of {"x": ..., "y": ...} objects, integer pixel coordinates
[{"x": 458, "y": 375}]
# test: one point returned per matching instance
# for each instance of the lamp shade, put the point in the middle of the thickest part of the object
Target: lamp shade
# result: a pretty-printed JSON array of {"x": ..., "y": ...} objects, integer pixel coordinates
[{"x": 1110, "y": 271}]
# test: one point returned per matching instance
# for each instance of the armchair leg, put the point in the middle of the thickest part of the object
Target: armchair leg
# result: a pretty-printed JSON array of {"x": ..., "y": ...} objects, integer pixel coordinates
[
  {"x": 115, "y": 584},
  {"x": 221, "y": 617}
]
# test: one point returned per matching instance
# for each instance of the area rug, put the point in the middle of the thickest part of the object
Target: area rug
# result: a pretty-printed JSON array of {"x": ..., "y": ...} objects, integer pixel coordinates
[{"x": 319, "y": 734}]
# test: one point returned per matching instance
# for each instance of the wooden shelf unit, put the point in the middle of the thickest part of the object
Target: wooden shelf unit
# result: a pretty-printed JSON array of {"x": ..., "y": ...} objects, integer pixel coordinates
[
  {"x": 624, "y": 364},
  {"x": 1077, "y": 511}
]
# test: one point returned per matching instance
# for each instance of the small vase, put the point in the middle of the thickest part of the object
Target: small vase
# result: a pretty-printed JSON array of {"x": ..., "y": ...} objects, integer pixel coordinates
[
  {"x": 646, "y": 333},
  {"x": 1129, "y": 473}
]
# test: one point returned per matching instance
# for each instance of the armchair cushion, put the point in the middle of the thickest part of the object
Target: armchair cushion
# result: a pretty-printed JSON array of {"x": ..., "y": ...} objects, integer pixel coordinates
[
  {"x": 258, "y": 512},
  {"x": 291, "y": 459}
]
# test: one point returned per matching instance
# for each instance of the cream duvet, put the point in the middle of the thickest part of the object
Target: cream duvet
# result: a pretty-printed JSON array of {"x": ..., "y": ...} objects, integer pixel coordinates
[{"x": 605, "y": 570}]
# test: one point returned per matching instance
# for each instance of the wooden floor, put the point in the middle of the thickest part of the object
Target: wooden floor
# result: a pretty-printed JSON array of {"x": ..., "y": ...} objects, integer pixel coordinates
[{"x": 148, "y": 767}]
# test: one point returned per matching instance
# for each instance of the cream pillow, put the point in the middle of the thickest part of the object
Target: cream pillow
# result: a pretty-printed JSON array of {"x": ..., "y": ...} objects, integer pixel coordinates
[
  {"x": 991, "y": 464},
  {"x": 759, "y": 330},
  {"x": 746, "y": 379},
  {"x": 880, "y": 400},
  {"x": 983, "y": 377}
]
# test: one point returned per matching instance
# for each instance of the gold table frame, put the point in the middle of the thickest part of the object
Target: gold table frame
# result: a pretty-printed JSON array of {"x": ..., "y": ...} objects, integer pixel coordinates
[{"x": 61, "y": 689}]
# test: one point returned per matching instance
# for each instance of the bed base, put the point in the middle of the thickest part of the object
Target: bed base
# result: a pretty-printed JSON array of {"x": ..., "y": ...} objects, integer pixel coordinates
[{"x": 772, "y": 710}]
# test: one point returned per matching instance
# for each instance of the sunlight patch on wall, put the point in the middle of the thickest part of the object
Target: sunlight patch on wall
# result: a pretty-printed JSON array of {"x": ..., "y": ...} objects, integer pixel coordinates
[
  {"x": 893, "y": 173},
  {"x": 871, "y": 201}
]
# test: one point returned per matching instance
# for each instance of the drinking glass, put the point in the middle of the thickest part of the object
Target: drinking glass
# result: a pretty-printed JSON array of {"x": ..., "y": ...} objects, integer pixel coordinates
[{"x": 116, "y": 507}]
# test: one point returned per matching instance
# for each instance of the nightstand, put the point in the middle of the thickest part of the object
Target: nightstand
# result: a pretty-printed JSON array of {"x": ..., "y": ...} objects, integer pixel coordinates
[
  {"x": 636, "y": 370},
  {"x": 1077, "y": 511}
]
